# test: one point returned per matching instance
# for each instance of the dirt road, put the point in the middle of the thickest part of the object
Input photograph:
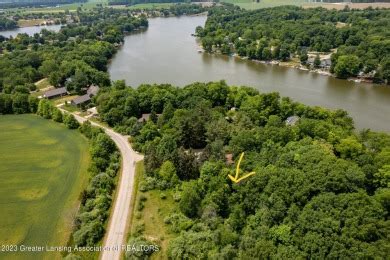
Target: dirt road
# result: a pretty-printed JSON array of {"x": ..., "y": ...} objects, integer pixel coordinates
[{"x": 115, "y": 234}]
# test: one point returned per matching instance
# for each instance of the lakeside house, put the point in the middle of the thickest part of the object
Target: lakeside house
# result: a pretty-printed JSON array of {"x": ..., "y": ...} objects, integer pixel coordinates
[
  {"x": 57, "y": 92},
  {"x": 91, "y": 92},
  {"x": 292, "y": 120}
]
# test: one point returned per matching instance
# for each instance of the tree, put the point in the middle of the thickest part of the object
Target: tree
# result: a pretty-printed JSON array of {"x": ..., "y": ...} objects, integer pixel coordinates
[
  {"x": 5, "y": 103},
  {"x": 347, "y": 66},
  {"x": 57, "y": 115},
  {"x": 45, "y": 108},
  {"x": 168, "y": 172},
  {"x": 190, "y": 199},
  {"x": 303, "y": 57},
  {"x": 317, "y": 61},
  {"x": 71, "y": 122}
]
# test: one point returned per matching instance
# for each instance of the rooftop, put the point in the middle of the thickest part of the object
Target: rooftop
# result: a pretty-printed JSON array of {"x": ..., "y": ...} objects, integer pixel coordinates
[
  {"x": 55, "y": 92},
  {"x": 81, "y": 99}
]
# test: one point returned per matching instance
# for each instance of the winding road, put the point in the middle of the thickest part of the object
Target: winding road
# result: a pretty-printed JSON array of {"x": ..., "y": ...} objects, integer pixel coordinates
[{"x": 116, "y": 232}]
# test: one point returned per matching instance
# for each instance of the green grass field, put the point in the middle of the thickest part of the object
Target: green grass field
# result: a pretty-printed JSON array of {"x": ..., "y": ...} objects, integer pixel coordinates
[
  {"x": 151, "y": 217},
  {"x": 43, "y": 170},
  {"x": 249, "y": 4}
]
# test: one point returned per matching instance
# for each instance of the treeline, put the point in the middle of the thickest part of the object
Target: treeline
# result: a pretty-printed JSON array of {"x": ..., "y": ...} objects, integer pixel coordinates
[
  {"x": 90, "y": 221},
  {"x": 134, "y": 2},
  {"x": 75, "y": 57},
  {"x": 18, "y": 103},
  {"x": 280, "y": 33},
  {"x": 320, "y": 190},
  {"x": 97, "y": 197},
  {"x": 7, "y": 24},
  {"x": 35, "y": 3}
]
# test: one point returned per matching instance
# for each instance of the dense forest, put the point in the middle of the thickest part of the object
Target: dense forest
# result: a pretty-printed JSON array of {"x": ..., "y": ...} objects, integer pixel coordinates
[
  {"x": 75, "y": 57},
  {"x": 319, "y": 190},
  {"x": 360, "y": 36},
  {"x": 35, "y": 3}
]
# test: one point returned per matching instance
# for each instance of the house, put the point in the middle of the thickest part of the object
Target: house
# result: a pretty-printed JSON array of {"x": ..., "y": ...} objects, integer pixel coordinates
[
  {"x": 80, "y": 100},
  {"x": 57, "y": 92},
  {"x": 91, "y": 92},
  {"x": 292, "y": 120}
]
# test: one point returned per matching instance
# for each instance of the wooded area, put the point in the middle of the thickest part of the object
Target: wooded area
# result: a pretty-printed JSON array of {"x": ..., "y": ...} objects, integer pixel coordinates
[
  {"x": 359, "y": 38},
  {"x": 320, "y": 189}
]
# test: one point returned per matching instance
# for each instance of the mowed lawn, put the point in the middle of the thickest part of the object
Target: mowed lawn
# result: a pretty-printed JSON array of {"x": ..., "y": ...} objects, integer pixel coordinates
[{"x": 43, "y": 168}]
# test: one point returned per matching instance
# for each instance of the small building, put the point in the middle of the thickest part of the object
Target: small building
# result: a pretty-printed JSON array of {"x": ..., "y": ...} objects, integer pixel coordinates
[
  {"x": 80, "y": 100},
  {"x": 57, "y": 92},
  {"x": 91, "y": 92},
  {"x": 292, "y": 120}
]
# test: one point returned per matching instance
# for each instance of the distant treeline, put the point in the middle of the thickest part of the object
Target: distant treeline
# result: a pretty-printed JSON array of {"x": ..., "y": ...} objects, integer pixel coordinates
[
  {"x": 33, "y": 3},
  {"x": 134, "y": 2},
  {"x": 6, "y": 24}
]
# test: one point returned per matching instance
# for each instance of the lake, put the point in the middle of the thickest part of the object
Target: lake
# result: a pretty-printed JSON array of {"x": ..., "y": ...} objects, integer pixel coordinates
[
  {"x": 30, "y": 30},
  {"x": 167, "y": 53}
]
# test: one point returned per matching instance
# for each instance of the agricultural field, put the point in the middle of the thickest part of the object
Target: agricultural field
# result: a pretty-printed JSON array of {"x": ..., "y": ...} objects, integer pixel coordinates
[
  {"x": 250, "y": 4},
  {"x": 62, "y": 8},
  {"x": 43, "y": 170}
]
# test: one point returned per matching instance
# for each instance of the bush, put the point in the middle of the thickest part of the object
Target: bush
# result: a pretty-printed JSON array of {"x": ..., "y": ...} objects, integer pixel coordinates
[
  {"x": 140, "y": 248},
  {"x": 71, "y": 122},
  {"x": 57, "y": 115},
  {"x": 89, "y": 234}
]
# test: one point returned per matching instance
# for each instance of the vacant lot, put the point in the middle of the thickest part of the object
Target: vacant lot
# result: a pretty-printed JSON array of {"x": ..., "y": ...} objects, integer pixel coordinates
[
  {"x": 43, "y": 170},
  {"x": 148, "y": 221}
]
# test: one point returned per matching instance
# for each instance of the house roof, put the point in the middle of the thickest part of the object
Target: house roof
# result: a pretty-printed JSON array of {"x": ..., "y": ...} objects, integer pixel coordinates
[
  {"x": 81, "y": 99},
  {"x": 292, "y": 120},
  {"x": 55, "y": 92},
  {"x": 93, "y": 90}
]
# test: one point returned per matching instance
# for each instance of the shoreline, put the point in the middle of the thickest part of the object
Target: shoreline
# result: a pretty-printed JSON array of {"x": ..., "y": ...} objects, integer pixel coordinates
[{"x": 292, "y": 66}]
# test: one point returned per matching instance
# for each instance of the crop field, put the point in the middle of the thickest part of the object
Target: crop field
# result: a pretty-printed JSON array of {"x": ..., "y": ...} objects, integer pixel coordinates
[
  {"x": 249, "y": 4},
  {"x": 43, "y": 168}
]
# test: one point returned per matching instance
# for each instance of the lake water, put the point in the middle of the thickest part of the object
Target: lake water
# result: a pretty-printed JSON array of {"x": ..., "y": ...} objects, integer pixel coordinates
[
  {"x": 30, "y": 30},
  {"x": 167, "y": 53}
]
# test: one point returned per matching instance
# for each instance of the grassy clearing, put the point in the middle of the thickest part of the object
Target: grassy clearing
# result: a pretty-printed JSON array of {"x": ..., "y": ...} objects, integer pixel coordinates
[
  {"x": 249, "y": 4},
  {"x": 151, "y": 218},
  {"x": 28, "y": 23},
  {"x": 71, "y": 7},
  {"x": 151, "y": 6},
  {"x": 43, "y": 83},
  {"x": 43, "y": 170}
]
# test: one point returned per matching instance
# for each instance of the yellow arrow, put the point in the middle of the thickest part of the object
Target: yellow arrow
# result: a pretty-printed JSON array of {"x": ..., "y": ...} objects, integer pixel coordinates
[{"x": 236, "y": 179}]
